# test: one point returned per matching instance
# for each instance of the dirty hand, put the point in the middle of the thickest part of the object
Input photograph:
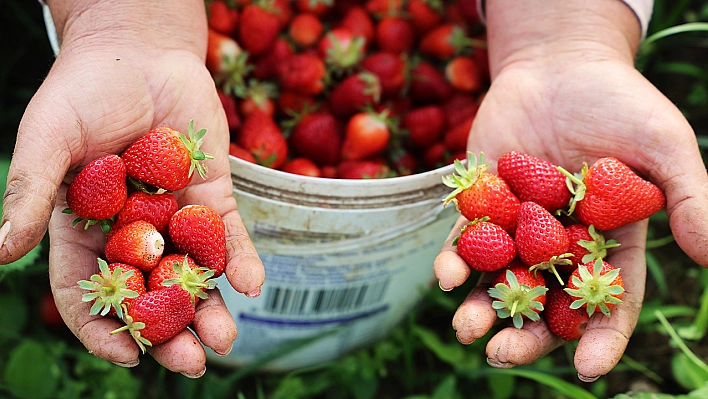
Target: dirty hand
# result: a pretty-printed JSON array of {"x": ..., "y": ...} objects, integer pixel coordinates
[
  {"x": 573, "y": 98},
  {"x": 141, "y": 66}
]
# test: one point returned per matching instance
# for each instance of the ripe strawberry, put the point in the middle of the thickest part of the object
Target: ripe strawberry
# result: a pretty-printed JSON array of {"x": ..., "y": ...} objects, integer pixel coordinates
[
  {"x": 404, "y": 163},
  {"x": 366, "y": 169},
  {"x": 563, "y": 321},
  {"x": 425, "y": 14},
  {"x": 459, "y": 108},
  {"x": 258, "y": 29},
  {"x": 468, "y": 9},
  {"x": 596, "y": 285},
  {"x": 317, "y": 136},
  {"x": 587, "y": 244},
  {"x": 226, "y": 62},
  {"x": 156, "y": 316},
  {"x": 256, "y": 95},
  {"x": 115, "y": 285},
  {"x": 305, "y": 30},
  {"x": 157, "y": 209},
  {"x": 463, "y": 74},
  {"x": 395, "y": 35},
  {"x": 541, "y": 240},
  {"x": 534, "y": 179},
  {"x": 519, "y": 293},
  {"x": 382, "y": 8},
  {"x": 228, "y": 102},
  {"x": 435, "y": 155},
  {"x": 355, "y": 93},
  {"x": 303, "y": 167},
  {"x": 179, "y": 269},
  {"x": 48, "y": 311},
  {"x": 290, "y": 102},
  {"x": 303, "y": 73},
  {"x": 166, "y": 158},
  {"x": 341, "y": 49},
  {"x": 359, "y": 22},
  {"x": 444, "y": 42},
  {"x": 425, "y": 125},
  {"x": 367, "y": 134},
  {"x": 319, "y": 8},
  {"x": 138, "y": 244},
  {"x": 222, "y": 18},
  {"x": 283, "y": 10},
  {"x": 478, "y": 193},
  {"x": 262, "y": 137},
  {"x": 455, "y": 139},
  {"x": 391, "y": 70},
  {"x": 484, "y": 246},
  {"x": 98, "y": 191},
  {"x": 197, "y": 230},
  {"x": 268, "y": 65},
  {"x": 609, "y": 195},
  {"x": 241, "y": 153},
  {"x": 428, "y": 84}
]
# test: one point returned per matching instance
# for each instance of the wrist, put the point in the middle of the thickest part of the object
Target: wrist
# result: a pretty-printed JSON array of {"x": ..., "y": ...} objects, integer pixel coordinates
[
  {"x": 551, "y": 32},
  {"x": 131, "y": 24}
]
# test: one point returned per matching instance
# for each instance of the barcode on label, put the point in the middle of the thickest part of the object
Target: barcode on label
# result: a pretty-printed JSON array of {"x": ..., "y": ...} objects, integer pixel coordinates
[{"x": 321, "y": 301}]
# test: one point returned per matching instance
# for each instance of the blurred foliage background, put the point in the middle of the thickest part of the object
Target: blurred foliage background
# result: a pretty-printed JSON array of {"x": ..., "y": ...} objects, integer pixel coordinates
[{"x": 40, "y": 358}]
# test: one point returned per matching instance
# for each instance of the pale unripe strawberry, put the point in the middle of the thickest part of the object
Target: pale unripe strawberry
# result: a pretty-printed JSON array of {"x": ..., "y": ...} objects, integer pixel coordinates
[
  {"x": 138, "y": 244},
  {"x": 198, "y": 231},
  {"x": 99, "y": 191}
]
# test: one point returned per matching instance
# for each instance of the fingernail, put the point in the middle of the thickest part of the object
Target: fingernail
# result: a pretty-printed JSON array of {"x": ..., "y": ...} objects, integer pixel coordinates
[
  {"x": 226, "y": 352},
  {"x": 4, "y": 231},
  {"x": 197, "y": 375},
  {"x": 585, "y": 378},
  {"x": 128, "y": 364},
  {"x": 499, "y": 365},
  {"x": 255, "y": 293},
  {"x": 443, "y": 288}
]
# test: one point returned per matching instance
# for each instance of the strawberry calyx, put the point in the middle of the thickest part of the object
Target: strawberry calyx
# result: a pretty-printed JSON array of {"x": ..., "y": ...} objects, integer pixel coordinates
[
  {"x": 343, "y": 58},
  {"x": 107, "y": 289},
  {"x": 576, "y": 185},
  {"x": 466, "y": 177},
  {"x": 598, "y": 247},
  {"x": 258, "y": 92},
  {"x": 193, "y": 280},
  {"x": 232, "y": 79},
  {"x": 105, "y": 224},
  {"x": 134, "y": 328},
  {"x": 463, "y": 228},
  {"x": 595, "y": 290},
  {"x": 193, "y": 141},
  {"x": 551, "y": 264},
  {"x": 516, "y": 300}
]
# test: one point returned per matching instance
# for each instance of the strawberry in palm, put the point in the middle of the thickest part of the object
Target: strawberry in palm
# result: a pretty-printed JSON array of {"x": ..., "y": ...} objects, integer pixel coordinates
[
  {"x": 157, "y": 209},
  {"x": 166, "y": 158},
  {"x": 485, "y": 246},
  {"x": 519, "y": 293},
  {"x": 587, "y": 244},
  {"x": 563, "y": 321},
  {"x": 183, "y": 271},
  {"x": 197, "y": 230},
  {"x": 596, "y": 285},
  {"x": 115, "y": 284},
  {"x": 137, "y": 243},
  {"x": 478, "y": 193}
]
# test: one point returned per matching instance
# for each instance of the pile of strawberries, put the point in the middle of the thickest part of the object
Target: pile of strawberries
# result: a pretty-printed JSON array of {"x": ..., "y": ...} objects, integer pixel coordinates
[
  {"x": 348, "y": 89},
  {"x": 539, "y": 228},
  {"x": 160, "y": 259}
]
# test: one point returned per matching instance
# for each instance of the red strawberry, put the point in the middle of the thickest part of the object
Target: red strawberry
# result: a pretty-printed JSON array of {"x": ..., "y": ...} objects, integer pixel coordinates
[
  {"x": 316, "y": 7},
  {"x": 166, "y": 158},
  {"x": 359, "y": 22},
  {"x": 395, "y": 35},
  {"x": 463, "y": 74},
  {"x": 262, "y": 137},
  {"x": 181, "y": 270},
  {"x": 460, "y": 108},
  {"x": 484, "y": 246},
  {"x": 258, "y": 29},
  {"x": 138, "y": 244},
  {"x": 366, "y": 169},
  {"x": 305, "y": 30},
  {"x": 390, "y": 69},
  {"x": 404, "y": 163},
  {"x": 222, "y": 18},
  {"x": 228, "y": 102},
  {"x": 455, "y": 139},
  {"x": 354, "y": 94},
  {"x": 303, "y": 73},
  {"x": 226, "y": 62},
  {"x": 317, "y": 136},
  {"x": 256, "y": 95},
  {"x": 563, "y": 321},
  {"x": 425, "y": 125},
  {"x": 609, "y": 195},
  {"x": 468, "y": 9},
  {"x": 534, "y": 179},
  {"x": 98, "y": 191},
  {"x": 341, "y": 49},
  {"x": 156, "y": 316},
  {"x": 478, "y": 193},
  {"x": 48, "y": 311},
  {"x": 267, "y": 65},
  {"x": 587, "y": 244},
  {"x": 435, "y": 155},
  {"x": 290, "y": 102},
  {"x": 382, "y": 8},
  {"x": 241, "y": 153},
  {"x": 444, "y": 42},
  {"x": 428, "y": 84},
  {"x": 157, "y": 209},
  {"x": 519, "y": 293},
  {"x": 367, "y": 134},
  {"x": 541, "y": 240},
  {"x": 425, "y": 14},
  {"x": 302, "y": 166},
  {"x": 283, "y": 10},
  {"x": 596, "y": 285},
  {"x": 115, "y": 284},
  {"x": 197, "y": 230}
]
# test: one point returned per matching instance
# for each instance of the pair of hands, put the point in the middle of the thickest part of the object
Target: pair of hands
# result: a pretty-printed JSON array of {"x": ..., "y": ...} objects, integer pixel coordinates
[{"x": 107, "y": 87}]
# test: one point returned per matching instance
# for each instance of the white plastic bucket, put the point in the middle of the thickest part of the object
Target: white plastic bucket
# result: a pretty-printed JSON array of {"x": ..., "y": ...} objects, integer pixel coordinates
[{"x": 345, "y": 260}]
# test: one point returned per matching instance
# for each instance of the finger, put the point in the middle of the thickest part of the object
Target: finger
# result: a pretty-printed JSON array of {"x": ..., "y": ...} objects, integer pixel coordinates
[
  {"x": 244, "y": 270},
  {"x": 451, "y": 270},
  {"x": 606, "y": 338},
  {"x": 214, "y": 324},
  {"x": 182, "y": 354},
  {"x": 518, "y": 346},
  {"x": 475, "y": 316}
]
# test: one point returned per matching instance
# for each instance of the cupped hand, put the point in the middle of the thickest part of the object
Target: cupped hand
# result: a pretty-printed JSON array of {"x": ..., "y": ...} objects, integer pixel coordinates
[
  {"x": 571, "y": 110},
  {"x": 96, "y": 100}
]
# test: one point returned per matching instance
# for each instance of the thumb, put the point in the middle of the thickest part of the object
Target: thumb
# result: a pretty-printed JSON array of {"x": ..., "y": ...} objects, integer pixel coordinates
[{"x": 39, "y": 164}]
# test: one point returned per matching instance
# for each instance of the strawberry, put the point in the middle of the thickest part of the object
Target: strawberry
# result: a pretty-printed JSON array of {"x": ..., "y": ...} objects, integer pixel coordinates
[
  {"x": 428, "y": 84},
  {"x": 391, "y": 70},
  {"x": 166, "y": 158},
  {"x": 197, "y": 230},
  {"x": 484, "y": 246},
  {"x": 404, "y": 163},
  {"x": 478, "y": 193},
  {"x": 444, "y": 42},
  {"x": 459, "y": 108},
  {"x": 116, "y": 284},
  {"x": 563, "y": 321},
  {"x": 425, "y": 125},
  {"x": 435, "y": 155},
  {"x": 395, "y": 35},
  {"x": 303, "y": 73},
  {"x": 534, "y": 179},
  {"x": 367, "y": 134},
  {"x": 181, "y": 270},
  {"x": 463, "y": 74},
  {"x": 138, "y": 244},
  {"x": 317, "y": 136},
  {"x": 156, "y": 316},
  {"x": 305, "y": 30},
  {"x": 98, "y": 192},
  {"x": 354, "y": 94},
  {"x": 341, "y": 49},
  {"x": 425, "y": 14},
  {"x": 455, "y": 139},
  {"x": 228, "y": 102},
  {"x": 283, "y": 10},
  {"x": 226, "y": 61},
  {"x": 468, "y": 9},
  {"x": 541, "y": 240},
  {"x": 48, "y": 311},
  {"x": 157, "y": 209},
  {"x": 256, "y": 95},
  {"x": 262, "y": 137},
  {"x": 290, "y": 102},
  {"x": 382, "y": 8},
  {"x": 366, "y": 169},
  {"x": 519, "y": 293},
  {"x": 359, "y": 22},
  {"x": 302, "y": 166},
  {"x": 241, "y": 153},
  {"x": 222, "y": 18},
  {"x": 610, "y": 195},
  {"x": 268, "y": 65},
  {"x": 596, "y": 285},
  {"x": 587, "y": 244},
  {"x": 258, "y": 29},
  {"x": 319, "y": 8}
]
